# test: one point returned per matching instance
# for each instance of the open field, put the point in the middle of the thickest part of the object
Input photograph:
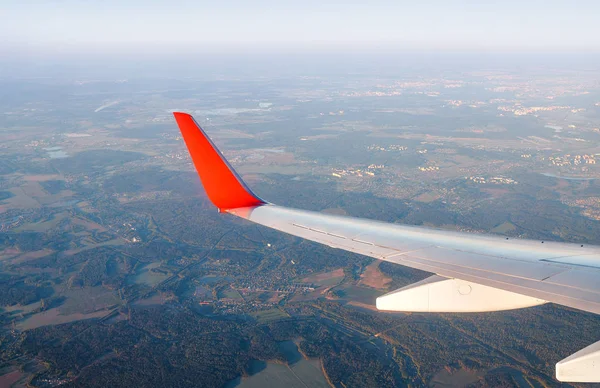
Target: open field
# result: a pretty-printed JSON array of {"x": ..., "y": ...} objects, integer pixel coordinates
[
  {"x": 504, "y": 227},
  {"x": 80, "y": 303},
  {"x": 358, "y": 294},
  {"x": 231, "y": 294},
  {"x": 25, "y": 257},
  {"x": 323, "y": 282},
  {"x": 373, "y": 277},
  {"x": 113, "y": 242},
  {"x": 297, "y": 372},
  {"x": 427, "y": 197},
  {"x": 280, "y": 375},
  {"x": 269, "y": 315},
  {"x": 88, "y": 300},
  {"x": 18, "y": 309},
  {"x": 42, "y": 178},
  {"x": 10, "y": 377},
  {"x": 20, "y": 200},
  {"x": 33, "y": 189},
  {"x": 459, "y": 378},
  {"x": 155, "y": 299},
  {"x": 54, "y": 317},
  {"x": 89, "y": 225},
  {"x": 149, "y": 275},
  {"x": 43, "y": 226},
  {"x": 9, "y": 253},
  {"x": 328, "y": 279}
]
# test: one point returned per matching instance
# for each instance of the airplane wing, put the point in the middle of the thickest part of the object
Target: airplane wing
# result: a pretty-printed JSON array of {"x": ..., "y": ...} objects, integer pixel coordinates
[{"x": 473, "y": 273}]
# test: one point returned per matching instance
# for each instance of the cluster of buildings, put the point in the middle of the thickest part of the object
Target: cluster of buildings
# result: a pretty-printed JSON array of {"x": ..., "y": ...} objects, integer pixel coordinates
[
  {"x": 338, "y": 113},
  {"x": 519, "y": 110},
  {"x": 265, "y": 283},
  {"x": 585, "y": 202},
  {"x": 393, "y": 147},
  {"x": 587, "y": 159},
  {"x": 177, "y": 155},
  {"x": 338, "y": 172},
  {"x": 371, "y": 93},
  {"x": 52, "y": 381},
  {"x": 455, "y": 85},
  {"x": 230, "y": 307},
  {"x": 36, "y": 143},
  {"x": 184, "y": 261},
  {"x": 497, "y": 180},
  {"x": 248, "y": 286},
  {"x": 455, "y": 102},
  {"x": 590, "y": 206},
  {"x": 146, "y": 196},
  {"x": 127, "y": 232},
  {"x": 170, "y": 136},
  {"x": 502, "y": 181},
  {"x": 470, "y": 104},
  {"x": 76, "y": 135},
  {"x": 429, "y": 168},
  {"x": 568, "y": 160}
]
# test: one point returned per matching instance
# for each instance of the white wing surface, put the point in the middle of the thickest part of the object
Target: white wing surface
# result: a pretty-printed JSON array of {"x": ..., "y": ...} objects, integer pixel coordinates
[{"x": 566, "y": 274}]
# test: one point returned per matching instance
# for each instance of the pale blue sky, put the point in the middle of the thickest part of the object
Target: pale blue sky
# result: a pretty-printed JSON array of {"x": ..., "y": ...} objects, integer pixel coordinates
[{"x": 448, "y": 25}]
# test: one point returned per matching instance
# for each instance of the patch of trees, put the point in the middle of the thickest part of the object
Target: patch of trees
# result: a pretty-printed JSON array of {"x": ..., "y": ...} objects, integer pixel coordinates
[
  {"x": 163, "y": 346},
  {"x": 54, "y": 186},
  {"x": 159, "y": 249},
  {"x": 8, "y": 165},
  {"x": 344, "y": 360},
  {"x": 5, "y": 195},
  {"x": 16, "y": 290},
  {"x": 93, "y": 272},
  {"x": 24, "y": 241},
  {"x": 100, "y": 266}
]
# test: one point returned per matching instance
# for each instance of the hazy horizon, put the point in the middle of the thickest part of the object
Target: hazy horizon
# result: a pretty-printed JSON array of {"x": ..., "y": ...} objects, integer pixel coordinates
[
  {"x": 189, "y": 38},
  {"x": 67, "y": 25}
]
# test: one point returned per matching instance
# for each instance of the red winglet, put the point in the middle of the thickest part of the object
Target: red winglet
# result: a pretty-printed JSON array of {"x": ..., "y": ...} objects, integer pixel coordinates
[{"x": 223, "y": 186}]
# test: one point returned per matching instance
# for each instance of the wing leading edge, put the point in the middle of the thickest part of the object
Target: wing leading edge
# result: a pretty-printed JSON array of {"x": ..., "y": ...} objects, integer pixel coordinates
[{"x": 562, "y": 273}]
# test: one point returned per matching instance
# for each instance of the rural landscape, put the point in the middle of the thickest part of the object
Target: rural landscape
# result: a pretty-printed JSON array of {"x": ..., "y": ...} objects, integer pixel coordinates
[{"x": 116, "y": 270}]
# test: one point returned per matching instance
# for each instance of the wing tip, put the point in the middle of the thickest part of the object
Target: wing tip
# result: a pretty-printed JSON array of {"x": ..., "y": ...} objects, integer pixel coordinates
[
  {"x": 222, "y": 184},
  {"x": 181, "y": 114}
]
